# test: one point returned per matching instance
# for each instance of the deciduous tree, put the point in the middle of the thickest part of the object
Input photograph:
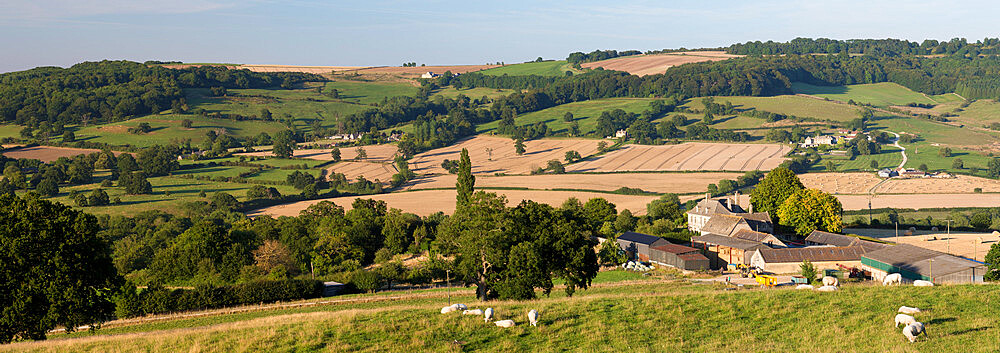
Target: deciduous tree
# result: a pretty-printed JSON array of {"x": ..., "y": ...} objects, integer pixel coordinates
[{"x": 810, "y": 209}]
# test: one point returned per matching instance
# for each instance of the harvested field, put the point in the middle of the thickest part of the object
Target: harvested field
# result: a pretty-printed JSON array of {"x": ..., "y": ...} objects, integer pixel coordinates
[
  {"x": 505, "y": 159},
  {"x": 46, "y": 153},
  {"x": 319, "y": 70},
  {"x": 376, "y": 153},
  {"x": 657, "y": 64},
  {"x": 919, "y": 201},
  {"x": 957, "y": 185},
  {"x": 372, "y": 171},
  {"x": 420, "y": 70},
  {"x": 687, "y": 156},
  {"x": 840, "y": 183},
  {"x": 965, "y": 244},
  {"x": 678, "y": 183},
  {"x": 426, "y": 202}
]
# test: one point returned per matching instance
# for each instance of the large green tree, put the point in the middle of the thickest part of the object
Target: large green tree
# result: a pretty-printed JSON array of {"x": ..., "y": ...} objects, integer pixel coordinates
[
  {"x": 810, "y": 209},
  {"x": 993, "y": 259},
  {"x": 54, "y": 269},
  {"x": 466, "y": 181},
  {"x": 284, "y": 144},
  {"x": 771, "y": 192}
]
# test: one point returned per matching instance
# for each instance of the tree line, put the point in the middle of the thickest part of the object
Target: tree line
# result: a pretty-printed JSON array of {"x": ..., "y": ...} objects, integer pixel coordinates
[{"x": 876, "y": 47}]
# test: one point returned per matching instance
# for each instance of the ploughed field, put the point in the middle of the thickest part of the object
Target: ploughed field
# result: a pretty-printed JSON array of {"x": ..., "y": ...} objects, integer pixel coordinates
[
  {"x": 686, "y": 156},
  {"x": 504, "y": 158},
  {"x": 46, "y": 153},
  {"x": 426, "y": 202},
  {"x": 679, "y": 183},
  {"x": 643, "y": 65}
]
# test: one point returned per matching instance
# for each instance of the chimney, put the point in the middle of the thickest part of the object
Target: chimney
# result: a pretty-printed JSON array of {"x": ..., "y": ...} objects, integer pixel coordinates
[
  {"x": 751, "y": 207},
  {"x": 736, "y": 198}
]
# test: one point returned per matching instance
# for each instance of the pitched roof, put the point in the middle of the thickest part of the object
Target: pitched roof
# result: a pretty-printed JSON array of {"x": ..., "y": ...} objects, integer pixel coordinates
[
  {"x": 814, "y": 254},
  {"x": 829, "y": 238},
  {"x": 756, "y": 216},
  {"x": 727, "y": 241},
  {"x": 710, "y": 207},
  {"x": 692, "y": 256},
  {"x": 918, "y": 260},
  {"x": 721, "y": 224},
  {"x": 674, "y": 248},
  {"x": 747, "y": 234},
  {"x": 638, "y": 238}
]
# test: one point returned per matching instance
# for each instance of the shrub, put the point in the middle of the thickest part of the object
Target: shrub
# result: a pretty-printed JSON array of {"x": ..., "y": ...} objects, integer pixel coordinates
[
  {"x": 156, "y": 299},
  {"x": 808, "y": 270}
]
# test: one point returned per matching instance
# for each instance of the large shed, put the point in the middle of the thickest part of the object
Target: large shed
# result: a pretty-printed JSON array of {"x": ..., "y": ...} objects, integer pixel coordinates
[
  {"x": 788, "y": 260},
  {"x": 915, "y": 263},
  {"x": 760, "y": 237},
  {"x": 636, "y": 245},
  {"x": 827, "y": 238},
  {"x": 723, "y": 251},
  {"x": 679, "y": 256}
]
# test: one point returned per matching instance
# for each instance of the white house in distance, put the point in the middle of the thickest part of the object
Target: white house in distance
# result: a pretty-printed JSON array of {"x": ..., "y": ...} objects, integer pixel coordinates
[
  {"x": 819, "y": 140},
  {"x": 429, "y": 74}
]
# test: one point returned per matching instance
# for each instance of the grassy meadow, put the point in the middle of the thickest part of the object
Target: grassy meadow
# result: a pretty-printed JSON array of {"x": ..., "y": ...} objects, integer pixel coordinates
[
  {"x": 878, "y": 94},
  {"x": 474, "y": 93},
  {"x": 889, "y": 158},
  {"x": 644, "y": 316},
  {"x": 544, "y": 68},
  {"x": 803, "y": 107},
  {"x": 369, "y": 92},
  {"x": 585, "y": 113},
  {"x": 167, "y": 129}
]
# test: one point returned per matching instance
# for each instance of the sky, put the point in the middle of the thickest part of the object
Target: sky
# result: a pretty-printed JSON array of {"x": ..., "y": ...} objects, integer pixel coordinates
[{"x": 383, "y": 32}]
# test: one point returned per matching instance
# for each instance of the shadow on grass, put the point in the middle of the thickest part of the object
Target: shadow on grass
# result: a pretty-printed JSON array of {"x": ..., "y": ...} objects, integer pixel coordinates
[
  {"x": 941, "y": 320},
  {"x": 971, "y": 330}
]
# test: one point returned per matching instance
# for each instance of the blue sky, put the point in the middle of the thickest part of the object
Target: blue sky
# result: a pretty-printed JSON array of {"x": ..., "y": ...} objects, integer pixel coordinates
[{"x": 380, "y": 32}]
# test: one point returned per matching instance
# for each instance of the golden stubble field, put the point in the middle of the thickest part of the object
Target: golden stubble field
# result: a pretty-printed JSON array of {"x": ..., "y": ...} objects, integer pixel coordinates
[
  {"x": 503, "y": 158},
  {"x": 643, "y": 65},
  {"x": 678, "y": 183},
  {"x": 687, "y": 156}
]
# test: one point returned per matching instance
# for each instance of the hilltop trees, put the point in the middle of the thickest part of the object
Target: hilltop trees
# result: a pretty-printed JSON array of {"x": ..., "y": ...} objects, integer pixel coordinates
[
  {"x": 55, "y": 269},
  {"x": 772, "y": 192}
]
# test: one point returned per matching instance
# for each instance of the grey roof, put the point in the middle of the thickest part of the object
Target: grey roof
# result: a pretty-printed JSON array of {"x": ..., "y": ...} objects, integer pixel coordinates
[
  {"x": 918, "y": 260},
  {"x": 674, "y": 248},
  {"x": 814, "y": 254},
  {"x": 830, "y": 238},
  {"x": 727, "y": 241},
  {"x": 639, "y": 238},
  {"x": 722, "y": 224},
  {"x": 761, "y": 237},
  {"x": 710, "y": 207}
]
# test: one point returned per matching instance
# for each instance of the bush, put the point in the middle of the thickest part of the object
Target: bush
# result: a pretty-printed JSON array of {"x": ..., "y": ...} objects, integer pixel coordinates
[
  {"x": 106, "y": 183},
  {"x": 365, "y": 281},
  {"x": 808, "y": 270},
  {"x": 98, "y": 198},
  {"x": 156, "y": 299}
]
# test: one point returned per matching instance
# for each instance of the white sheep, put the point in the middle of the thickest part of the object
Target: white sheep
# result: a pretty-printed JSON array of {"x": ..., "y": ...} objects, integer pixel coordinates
[
  {"x": 827, "y": 289},
  {"x": 533, "y": 317},
  {"x": 505, "y": 323},
  {"x": 472, "y": 312},
  {"x": 460, "y": 306},
  {"x": 913, "y": 330},
  {"x": 892, "y": 278},
  {"x": 448, "y": 309},
  {"x": 908, "y": 310},
  {"x": 489, "y": 314},
  {"x": 830, "y": 281},
  {"x": 904, "y": 319},
  {"x": 922, "y": 283},
  {"x": 805, "y": 286}
]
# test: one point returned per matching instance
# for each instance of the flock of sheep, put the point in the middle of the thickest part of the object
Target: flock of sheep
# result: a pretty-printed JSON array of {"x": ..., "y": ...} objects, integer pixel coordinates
[
  {"x": 637, "y": 266},
  {"x": 488, "y": 315},
  {"x": 912, "y": 327}
]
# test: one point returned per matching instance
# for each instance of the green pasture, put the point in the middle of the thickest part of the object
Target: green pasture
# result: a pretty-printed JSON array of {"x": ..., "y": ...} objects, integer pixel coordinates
[
  {"x": 473, "y": 93},
  {"x": 585, "y": 113},
  {"x": 878, "y": 94},
  {"x": 889, "y": 158},
  {"x": 803, "y": 107},
  {"x": 167, "y": 128},
  {"x": 932, "y": 131},
  {"x": 369, "y": 92},
  {"x": 545, "y": 68},
  {"x": 981, "y": 112}
]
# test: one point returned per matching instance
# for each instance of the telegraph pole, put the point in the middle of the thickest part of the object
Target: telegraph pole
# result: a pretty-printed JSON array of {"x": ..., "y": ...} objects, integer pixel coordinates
[
  {"x": 949, "y": 236},
  {"x": 448, "y": 274}
]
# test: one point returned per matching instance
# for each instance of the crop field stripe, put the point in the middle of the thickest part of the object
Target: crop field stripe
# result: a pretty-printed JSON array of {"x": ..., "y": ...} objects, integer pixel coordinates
[
  {"x": 747, "y": 162},
  {"x": 701, "y": 148},
  {"x": 708, "y": 150},
  {"x": 653, "y": 162},
  {"x": 635, "y": 158},
  {"x": 660, "y": 167},
  {"x": 733, "y": 156},
  {"x": 679, "y": 158}
]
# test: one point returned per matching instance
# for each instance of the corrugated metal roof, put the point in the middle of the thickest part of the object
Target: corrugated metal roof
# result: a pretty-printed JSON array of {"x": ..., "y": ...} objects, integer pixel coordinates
[
  {"x": 727, "y": 241},
  {"x": 693, "y": 257},
  {"x": 829, "y": 238},
  {"x": 674, "y": 248},
  {"x": 638, "y": 238},
  {"x": 814, "y": 254},
  {"x": 923, "y": 261}
]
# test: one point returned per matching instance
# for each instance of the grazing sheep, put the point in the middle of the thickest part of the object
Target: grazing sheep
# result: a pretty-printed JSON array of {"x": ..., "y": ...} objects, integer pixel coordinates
[
  {"x": 488, "y": 314},
  {"x": 908, "y": 310},
  {"x": 830, "y": 281},
  {"x": 892, "y": 278},
  {"x": 805, "y": 286},
  {"x": 922, "y": 283},
  {"x": 913, "y": 330},
  {"x": 505, "y": 323},
  {"x": 827, "y": 289},
  {"x": 533, "y": 317},
  {"x": 472, "y": 312},
  {"x": 460, "y": 306},
  {"x": 904, "y": 319},
  {"x": 448, "y": 309}
]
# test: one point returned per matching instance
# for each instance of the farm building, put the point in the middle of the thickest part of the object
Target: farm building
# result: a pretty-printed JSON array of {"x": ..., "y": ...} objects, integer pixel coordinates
[
  {"x": 787, "y": 260},
  {"x": 429, "y": 74},
  {"x": 832, "y": 239},
  {"x": 705, "y": 209},
  {"x": 679, "y": 256},
  {"x": 768, "y": 239},
  {"x": 703, "y": 212},
  {"x": 728, "y": 225},
  {"x": 887, "y": 173},
  {"x": 819, "y": 140},
  {"x": 722, "y": 250},
  {"x": 915, "y": 263},
  {"x": 637, "y": 245}
]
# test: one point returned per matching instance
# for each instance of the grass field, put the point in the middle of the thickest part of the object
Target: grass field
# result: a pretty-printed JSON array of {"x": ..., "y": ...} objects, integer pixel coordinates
[
  {"x": 652, "y": 316},
  {"x": 369, "y": 92},
  {"x": 545, "y": 68},
  {"x": 803, "y": 107},
  {"x": 304, "y": 105},
  {"x": 879, "y": 94},
  {"x": 473, "y": 93},
  {"x": 889, "y": 158},
  {"x": 933, "y": 132},
  {"x": 585, "y": 113},
  {"x": 167, "y": 128},
  {"x": 980, "y": 112}
]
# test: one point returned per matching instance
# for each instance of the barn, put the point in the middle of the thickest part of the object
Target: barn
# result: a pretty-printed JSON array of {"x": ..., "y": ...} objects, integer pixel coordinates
[
  {"x": 787, "y": 260},
  {"x": 760, "y": 237},
  {"x": 679, "y": 256},
  {"x": 636, "y": 245},
  {"x": 915, "y": 263},
  {"x": 722, "y": 250}
]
